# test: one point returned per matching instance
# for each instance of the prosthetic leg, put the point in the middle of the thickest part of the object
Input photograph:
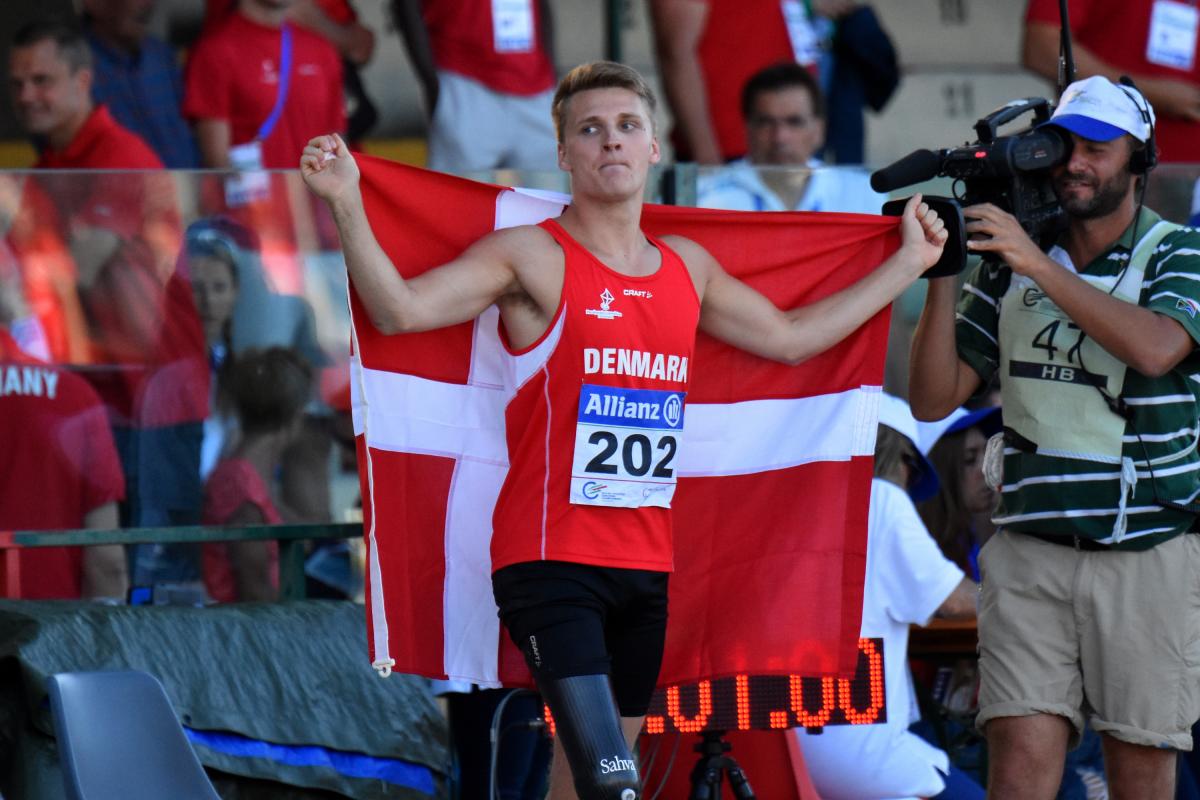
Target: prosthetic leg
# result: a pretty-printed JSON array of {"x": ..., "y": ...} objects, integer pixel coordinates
[{"x": 589, "y": 726}]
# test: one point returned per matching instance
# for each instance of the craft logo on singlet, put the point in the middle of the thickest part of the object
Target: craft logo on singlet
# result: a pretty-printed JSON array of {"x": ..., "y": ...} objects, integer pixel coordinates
[{"x": 605, "y": 310}]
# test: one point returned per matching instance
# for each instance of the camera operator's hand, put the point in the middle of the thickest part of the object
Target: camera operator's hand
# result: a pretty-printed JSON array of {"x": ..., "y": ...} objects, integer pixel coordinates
[
  {"x": 1007, "y": 239},
  {"x": 922, "y": 232}
]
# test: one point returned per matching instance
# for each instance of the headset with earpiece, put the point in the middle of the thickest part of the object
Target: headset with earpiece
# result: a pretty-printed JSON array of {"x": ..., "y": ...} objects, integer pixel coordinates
[{"x": 1146, "y": 158}]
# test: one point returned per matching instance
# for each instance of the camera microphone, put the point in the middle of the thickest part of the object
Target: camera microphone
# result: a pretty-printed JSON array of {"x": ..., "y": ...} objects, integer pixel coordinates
[{"x": 917, "y": 166}]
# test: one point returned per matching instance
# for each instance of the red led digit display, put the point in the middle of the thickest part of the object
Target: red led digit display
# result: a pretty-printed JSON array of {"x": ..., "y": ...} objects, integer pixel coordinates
[
  {"x": 750, "y": 702},
  {"x": 764, "y": 702}
]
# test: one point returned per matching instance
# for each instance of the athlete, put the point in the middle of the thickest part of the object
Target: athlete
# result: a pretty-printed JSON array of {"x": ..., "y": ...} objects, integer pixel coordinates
[{"x": 607, "y": 317}]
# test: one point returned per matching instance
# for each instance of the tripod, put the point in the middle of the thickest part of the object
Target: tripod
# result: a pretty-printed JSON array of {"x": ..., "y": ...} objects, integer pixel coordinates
[{"x": 714, "y": 764}]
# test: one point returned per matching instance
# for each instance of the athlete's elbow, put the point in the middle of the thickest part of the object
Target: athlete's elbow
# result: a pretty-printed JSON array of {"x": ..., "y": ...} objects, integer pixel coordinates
[
  {"x": 390, "y": 323},
  {"x": 794, "y": 355}
]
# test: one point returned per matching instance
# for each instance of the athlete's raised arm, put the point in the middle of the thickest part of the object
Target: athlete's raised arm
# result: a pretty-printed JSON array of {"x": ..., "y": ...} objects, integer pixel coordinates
[
  {"x": 447, "y": 295},
  {"x": 735, "y": 313}
]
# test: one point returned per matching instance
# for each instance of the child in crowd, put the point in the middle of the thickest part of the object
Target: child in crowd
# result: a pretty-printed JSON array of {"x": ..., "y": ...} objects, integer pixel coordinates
[{"x": 269, "y": 390}]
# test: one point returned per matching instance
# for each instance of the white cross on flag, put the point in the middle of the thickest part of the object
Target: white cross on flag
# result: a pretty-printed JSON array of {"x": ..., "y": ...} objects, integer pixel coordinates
[{"x": 770, "y": 515}]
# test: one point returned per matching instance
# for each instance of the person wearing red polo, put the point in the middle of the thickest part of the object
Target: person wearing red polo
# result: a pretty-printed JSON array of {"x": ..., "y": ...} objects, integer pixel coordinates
[
  {"x": 61, "y": 471},
  {"x": 257, "y": 88},
  {"x": 1152, "y": 41},
  {"x": 50, "y": 77}
]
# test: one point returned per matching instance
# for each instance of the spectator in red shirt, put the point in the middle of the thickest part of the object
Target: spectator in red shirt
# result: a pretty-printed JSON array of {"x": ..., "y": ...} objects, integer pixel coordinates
[
  {"x": 60, "y": 471},
  {"x": 708, "y": 49},
  {"x": 50, "y": 77},
  {"x": 487, "y": 72},
  {"x": 337, "y": 22},
  {"x": 245, "y": 106},
  {"x": 1153, "y": 42}
]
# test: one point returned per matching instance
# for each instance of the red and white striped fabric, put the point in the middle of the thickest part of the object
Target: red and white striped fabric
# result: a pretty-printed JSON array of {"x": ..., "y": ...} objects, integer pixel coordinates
[{"x": 770, "y": 515}]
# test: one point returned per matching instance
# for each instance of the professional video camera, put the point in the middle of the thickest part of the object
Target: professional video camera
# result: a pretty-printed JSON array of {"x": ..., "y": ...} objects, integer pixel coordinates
[{"x": 1012, "y": 172}]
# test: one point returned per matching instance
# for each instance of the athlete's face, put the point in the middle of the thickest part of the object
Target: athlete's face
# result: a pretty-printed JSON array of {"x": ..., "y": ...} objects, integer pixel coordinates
[
  {"x": 1095, "y": 180},
  {"x": 608, "y": 143}
]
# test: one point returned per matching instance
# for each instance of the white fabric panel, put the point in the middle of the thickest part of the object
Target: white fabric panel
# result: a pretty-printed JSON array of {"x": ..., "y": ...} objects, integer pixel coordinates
[
  {"x": 758, "y": 435},
  {"x": 468, "y": 607}
]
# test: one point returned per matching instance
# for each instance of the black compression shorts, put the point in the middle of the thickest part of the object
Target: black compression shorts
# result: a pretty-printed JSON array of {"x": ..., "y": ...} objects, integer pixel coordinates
[{"x": 577, "y": 619}]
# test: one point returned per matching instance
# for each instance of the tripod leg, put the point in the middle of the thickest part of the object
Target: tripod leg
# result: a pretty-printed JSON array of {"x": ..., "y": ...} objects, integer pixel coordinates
[{"x": 587, "y": 723}]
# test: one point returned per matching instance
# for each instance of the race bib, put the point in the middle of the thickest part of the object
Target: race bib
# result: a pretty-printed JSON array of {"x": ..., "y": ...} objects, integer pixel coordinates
[
  {"x": 512, "y": 26},
  {"x": 1172, "y": 39},
  {"x": 626, "y": 444}
]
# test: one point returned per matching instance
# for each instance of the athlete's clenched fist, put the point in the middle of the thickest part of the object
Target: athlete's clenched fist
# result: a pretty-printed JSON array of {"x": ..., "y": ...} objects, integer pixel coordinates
[{"x": 328, "y": 168}]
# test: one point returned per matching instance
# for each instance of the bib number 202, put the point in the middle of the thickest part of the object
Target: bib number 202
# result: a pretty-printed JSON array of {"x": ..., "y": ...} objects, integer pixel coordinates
[{"x": 637, "y": 455}]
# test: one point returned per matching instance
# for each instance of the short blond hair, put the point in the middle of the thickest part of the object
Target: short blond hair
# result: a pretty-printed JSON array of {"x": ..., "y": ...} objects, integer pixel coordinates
[{"x": 599, "y": 75}]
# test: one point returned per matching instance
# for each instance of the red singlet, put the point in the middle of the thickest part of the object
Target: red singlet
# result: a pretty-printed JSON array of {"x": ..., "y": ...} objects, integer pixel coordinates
[{"x": 593, "y": 432}]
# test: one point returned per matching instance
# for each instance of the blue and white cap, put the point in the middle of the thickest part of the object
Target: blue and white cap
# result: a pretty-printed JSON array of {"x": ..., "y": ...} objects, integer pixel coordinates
[
  {"x": 896, "y": 414},
  {"x": 1098, "y": 109}
]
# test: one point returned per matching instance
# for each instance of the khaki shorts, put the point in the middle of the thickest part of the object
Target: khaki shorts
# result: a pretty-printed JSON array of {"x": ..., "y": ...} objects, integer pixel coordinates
[{"x": 1113, "y": 637}]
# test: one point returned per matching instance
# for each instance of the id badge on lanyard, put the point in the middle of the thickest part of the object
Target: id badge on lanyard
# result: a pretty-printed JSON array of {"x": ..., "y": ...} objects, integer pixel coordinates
[
  {"x": 1171, "y": 41},
  {"x": 512, "y": 26},
  {"x": 626, "y": 441},
  {"x": 251, "y": 183},
  {"x": 806, "y": 43}
]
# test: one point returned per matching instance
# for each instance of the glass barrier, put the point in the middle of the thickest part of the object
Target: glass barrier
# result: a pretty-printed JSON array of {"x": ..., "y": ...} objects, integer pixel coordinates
[
  {"x": 174, "y": 345},
  {"x": 1173, "y": 191}
]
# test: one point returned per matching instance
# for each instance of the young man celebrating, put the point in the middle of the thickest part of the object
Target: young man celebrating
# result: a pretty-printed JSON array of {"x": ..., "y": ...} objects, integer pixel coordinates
[
  {"x": 581, "y": 543},
  {"x": 1089, "y": 603}
]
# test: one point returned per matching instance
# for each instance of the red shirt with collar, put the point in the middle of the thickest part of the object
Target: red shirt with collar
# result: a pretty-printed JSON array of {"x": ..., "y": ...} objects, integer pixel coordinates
[
  {"x": 233, "y": 76},
  {"x": 102, "y": 143},
  {"x": 1117, "y": 31},
  {"x": 58, "y": 461}
]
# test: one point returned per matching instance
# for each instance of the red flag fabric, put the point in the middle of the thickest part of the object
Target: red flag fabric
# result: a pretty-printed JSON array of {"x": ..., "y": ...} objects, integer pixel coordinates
[{"x": 770, "y": 514}]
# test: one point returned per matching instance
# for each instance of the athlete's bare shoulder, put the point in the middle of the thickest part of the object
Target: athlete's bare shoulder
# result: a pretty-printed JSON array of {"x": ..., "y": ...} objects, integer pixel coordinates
[
  {"x": 699, "y": 262},
  {"x": 535, "y": 260},
  {"x": 521, "y": 244}
]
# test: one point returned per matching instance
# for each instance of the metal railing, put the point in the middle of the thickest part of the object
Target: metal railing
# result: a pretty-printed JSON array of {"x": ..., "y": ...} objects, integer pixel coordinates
[{"x": 291, "y": 540}]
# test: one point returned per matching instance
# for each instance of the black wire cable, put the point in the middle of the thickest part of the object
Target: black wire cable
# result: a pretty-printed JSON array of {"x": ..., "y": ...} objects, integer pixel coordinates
[{"x": 496, "y": 735}]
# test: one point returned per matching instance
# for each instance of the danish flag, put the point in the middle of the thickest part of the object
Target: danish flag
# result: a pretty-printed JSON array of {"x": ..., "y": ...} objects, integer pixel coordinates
[{"x": 770, "y": 513}]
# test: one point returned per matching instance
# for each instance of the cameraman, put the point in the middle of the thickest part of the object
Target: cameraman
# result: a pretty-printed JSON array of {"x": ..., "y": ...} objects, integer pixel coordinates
[{"x": 1090, "y": 602}]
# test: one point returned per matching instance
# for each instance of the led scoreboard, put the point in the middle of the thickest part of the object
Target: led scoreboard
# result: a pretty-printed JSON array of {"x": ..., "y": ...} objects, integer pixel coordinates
[{"x": 764, "y": 702}]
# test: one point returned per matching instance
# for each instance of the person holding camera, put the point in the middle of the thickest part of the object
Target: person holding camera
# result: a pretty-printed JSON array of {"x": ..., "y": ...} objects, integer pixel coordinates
[{"x": 1090, "y": 605}]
